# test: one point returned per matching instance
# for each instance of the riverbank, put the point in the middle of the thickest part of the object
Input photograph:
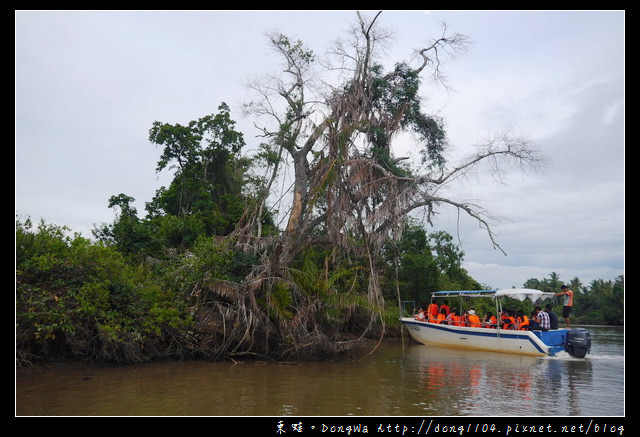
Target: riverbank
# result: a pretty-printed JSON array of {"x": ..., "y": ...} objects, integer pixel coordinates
[{"x": 349, "y": 348}]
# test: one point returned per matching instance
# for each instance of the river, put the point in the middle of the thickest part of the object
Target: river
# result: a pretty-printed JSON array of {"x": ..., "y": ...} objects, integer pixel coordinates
[{"x": 400, "y": 378}]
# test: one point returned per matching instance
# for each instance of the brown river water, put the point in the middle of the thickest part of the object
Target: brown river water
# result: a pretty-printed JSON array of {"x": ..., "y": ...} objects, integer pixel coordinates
[{"x": 400, "y": 378}]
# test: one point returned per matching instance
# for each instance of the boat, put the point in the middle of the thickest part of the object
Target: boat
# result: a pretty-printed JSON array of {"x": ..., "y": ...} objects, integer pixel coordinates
[{"x": 576, "y": 342}]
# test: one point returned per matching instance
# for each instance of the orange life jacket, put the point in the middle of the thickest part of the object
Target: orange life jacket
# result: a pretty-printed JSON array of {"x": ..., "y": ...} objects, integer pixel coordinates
[
  {"x": 457, "y": 321},
  {"x": 524, "y": 324},
  {"x": 441, "y": 318},
  {"x": 446, "y": 308},
  {"x": 474, "y": 321},
  {"x": 432, "y": 309},
  {"x": 493, "y": 322},
  {"x": 508, "y": 322}
]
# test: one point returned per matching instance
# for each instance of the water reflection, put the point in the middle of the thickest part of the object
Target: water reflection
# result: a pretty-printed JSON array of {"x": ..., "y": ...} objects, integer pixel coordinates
[
  {"x": 484, "y": 383},
  {"x": 466, "y": 382}
]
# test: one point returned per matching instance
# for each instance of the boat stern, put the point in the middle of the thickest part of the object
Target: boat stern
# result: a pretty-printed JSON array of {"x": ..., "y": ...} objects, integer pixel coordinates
[
  {"x": 576, "y": 342},
  {"x": 554, "y": 340}
]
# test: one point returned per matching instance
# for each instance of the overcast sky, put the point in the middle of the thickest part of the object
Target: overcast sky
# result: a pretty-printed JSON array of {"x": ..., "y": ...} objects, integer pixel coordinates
[{"x": 89, "y": 85}]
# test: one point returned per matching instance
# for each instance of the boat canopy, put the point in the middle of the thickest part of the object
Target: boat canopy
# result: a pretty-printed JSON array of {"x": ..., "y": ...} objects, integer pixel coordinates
[{"x": 514, "y": 293}]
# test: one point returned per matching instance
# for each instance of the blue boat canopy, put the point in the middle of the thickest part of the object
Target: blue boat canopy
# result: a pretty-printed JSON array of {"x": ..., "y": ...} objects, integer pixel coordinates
[{"x": 514, "y": 293}]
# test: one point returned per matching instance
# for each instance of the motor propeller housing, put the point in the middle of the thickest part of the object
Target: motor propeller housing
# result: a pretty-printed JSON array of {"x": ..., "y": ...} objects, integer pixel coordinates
[{"x": 578, "y": 342}]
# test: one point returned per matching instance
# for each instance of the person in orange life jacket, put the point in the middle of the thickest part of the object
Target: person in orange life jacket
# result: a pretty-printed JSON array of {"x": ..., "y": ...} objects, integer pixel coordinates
[
  {"x": 568, "y": 303},
  {"x": 463, "y": 318},
  {"x": 442, "y": 316},
  {"x": 508, "y": 322},
  {"x": 522, "y": 321},
  {"x": 449, "y": 319},
  {"x": 453, "y": 318},
  {"x": 490, "y": 320},
  {"x": 446, "y": 307},
  {"x": 432, "y": 318},
  {"x": 473, "y": 320},
  {"x": 432, "y": 312}
]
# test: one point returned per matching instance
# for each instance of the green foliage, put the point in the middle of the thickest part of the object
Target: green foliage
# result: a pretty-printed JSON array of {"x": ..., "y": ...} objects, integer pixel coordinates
[
  {"x": 280, "y": 301},
  {"x": 128, "y": 233},
  {"x": 79, "y": 298},
  {"x": 316, "y": 275},
  {"x": 206, "y": 196},
  {"x": 219, "y": 260},
  {"x": 296, "y": 53},
  {"x": 335, "y": 285},
  {"x": 209, "y": 172},
  {"x": 396, "y": 96},
  {"x": 183, "y": 145}
]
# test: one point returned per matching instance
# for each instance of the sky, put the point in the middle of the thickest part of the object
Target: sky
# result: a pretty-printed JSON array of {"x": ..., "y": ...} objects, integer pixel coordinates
[{"x": 90, "y": 84}]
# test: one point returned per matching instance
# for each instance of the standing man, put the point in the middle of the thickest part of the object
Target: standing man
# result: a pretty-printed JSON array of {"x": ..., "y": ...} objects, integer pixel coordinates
[{"x": 568, "y": 303}]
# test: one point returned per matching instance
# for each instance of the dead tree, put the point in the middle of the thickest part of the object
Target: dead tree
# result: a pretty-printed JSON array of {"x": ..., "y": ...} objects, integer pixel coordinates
[{"x": 348, "y": 189}]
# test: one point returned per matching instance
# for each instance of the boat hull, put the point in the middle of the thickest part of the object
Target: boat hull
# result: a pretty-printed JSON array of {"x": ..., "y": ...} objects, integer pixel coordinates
[{"x": 495, "y": 340}]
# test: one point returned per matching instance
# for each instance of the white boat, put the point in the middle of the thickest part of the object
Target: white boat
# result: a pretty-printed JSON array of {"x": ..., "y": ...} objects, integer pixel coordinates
[{"x": 576, "y": 342}]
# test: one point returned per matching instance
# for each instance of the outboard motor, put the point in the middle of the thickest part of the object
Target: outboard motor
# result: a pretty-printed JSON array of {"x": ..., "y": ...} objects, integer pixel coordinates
[{"x": 578, "y": 342}]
